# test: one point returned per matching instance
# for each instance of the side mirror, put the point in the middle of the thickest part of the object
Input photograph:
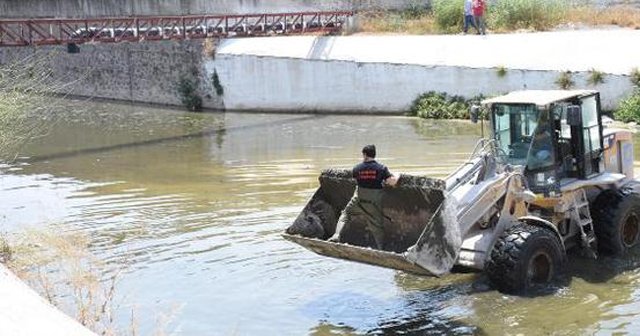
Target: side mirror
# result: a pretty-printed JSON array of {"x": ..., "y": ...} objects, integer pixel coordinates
[
  {"x": 474, "y": 113},
  {"x": 574, "y": 115}
]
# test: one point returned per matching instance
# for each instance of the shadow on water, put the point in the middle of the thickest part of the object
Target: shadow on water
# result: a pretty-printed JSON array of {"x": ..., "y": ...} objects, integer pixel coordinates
[
  {"x": 603, "y": 269},
  {"x": 415, "y": 312},
  {"x": 220, "y": 133}
]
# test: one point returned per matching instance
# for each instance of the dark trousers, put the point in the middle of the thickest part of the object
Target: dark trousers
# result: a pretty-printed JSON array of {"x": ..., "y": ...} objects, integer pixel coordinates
[
  {"x": 366, "y": 203},
  {"x": 469, "y": 21}
]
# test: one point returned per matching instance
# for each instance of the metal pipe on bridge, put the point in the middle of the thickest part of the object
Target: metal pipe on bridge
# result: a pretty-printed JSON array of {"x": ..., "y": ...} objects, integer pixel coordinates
[{"x": 152, "y": 28}]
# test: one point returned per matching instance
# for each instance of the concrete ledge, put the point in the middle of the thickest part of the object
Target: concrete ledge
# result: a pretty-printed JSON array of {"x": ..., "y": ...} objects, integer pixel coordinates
[{"x": 25, "y": 313}]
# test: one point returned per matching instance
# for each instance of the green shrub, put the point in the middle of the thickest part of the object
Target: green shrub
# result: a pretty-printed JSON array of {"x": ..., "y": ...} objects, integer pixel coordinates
[
  {"x": 188, "y": 90},
  {"x": 519, "y": 14},
  {"x": 629, "y": 109},
  {"x": 440, "y": 105},
  {"x": 449, "y": 14}
]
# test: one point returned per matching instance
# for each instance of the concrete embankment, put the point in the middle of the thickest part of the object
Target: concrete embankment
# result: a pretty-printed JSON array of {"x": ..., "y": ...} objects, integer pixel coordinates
[
  {"x": 342, "y": 74},
  {"x": 148, "y": 72},
  {"x": 386, "y": 73},
  {"x": 24, "y": 313},
  {"x": 106, "y": 8}
]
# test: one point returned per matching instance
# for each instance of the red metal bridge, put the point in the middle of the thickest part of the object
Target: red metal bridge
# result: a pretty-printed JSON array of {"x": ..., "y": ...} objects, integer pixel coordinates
[{"x": 65, "y": 31}]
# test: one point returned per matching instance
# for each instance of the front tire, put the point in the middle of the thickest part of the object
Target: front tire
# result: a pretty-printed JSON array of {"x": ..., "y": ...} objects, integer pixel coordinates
[
  {"x": 525, "y": 256},
  {"x": 616, "y": 217}
]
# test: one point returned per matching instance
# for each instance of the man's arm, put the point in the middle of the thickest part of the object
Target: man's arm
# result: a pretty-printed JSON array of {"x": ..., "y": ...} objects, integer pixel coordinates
[{"x": 391, "y": 181}]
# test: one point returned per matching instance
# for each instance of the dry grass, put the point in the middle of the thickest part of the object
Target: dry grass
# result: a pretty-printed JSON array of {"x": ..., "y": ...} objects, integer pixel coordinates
[
  {"x": 61, "y": 268},
  {"x": 26, "y": 104},
  {"x": 622, "y": 16},
  {"x": 395, "y": 22},
  {"x": 425, "y": 23}
]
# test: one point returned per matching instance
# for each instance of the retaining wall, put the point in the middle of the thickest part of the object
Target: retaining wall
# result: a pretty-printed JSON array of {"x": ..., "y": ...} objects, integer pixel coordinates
[
  {"x": 362, "y": 74},
  {"x": 101, "y": 8},
  {"x": 297, "y": 85},
  {"x": 97, "y": 8},
  {"x": 386, "y": 73},
  {"x": 148, "y": 72}
]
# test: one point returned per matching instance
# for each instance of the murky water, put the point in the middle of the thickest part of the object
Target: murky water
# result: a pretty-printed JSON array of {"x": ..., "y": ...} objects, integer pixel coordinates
[{"x": 194, "y": 204}]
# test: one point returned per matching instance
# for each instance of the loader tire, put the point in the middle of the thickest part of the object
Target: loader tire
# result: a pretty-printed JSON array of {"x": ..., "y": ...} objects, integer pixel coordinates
[
  {"x": 525, "y": 255},
  {"x": 616, "y": 220}
]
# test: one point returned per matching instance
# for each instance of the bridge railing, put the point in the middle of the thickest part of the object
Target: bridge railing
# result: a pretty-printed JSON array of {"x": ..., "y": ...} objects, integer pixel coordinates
[{"x": 64, "y": 31}]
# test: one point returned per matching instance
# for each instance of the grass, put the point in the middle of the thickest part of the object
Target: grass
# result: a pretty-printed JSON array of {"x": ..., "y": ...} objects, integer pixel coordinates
[
  {"x": 395, "y": 22},
  {"x": 634, "y": 76},
  {"x": 629, "y": 109},
  {"x": 595, "y": 77},
  {"x": 526, "y": 14},
  {"x": 623, "y": 16},
  {"x": 61, "y": 267},
  {"x": 565, "y": 80},
  {"x": 501, "y": 71},
  {"x": 6, "y": 252},
  {"x": 502, "y": 16}
]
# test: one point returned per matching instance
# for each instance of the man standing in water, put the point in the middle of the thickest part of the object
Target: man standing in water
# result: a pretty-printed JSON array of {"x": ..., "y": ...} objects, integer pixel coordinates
[{"x": 367, "y": 199}]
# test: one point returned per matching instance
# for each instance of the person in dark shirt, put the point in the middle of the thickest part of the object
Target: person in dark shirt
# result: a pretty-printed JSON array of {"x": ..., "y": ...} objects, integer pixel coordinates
[{"x": 371, "y": 177}]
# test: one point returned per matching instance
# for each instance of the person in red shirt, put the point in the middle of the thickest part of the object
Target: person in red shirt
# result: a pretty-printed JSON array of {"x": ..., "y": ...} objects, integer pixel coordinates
[{"x": 479, "y": 7}]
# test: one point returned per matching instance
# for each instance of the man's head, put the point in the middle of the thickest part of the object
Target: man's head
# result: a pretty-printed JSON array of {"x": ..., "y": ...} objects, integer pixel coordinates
[{"x": 369, "y": 151}]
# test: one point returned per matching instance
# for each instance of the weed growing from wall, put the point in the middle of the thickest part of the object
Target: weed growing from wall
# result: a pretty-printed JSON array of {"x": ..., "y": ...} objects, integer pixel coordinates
[
  {"x": 188, "y": 90},
  {"x": 6, "y": 252},
  {"x": 635, "y": 77},
  {"x": 215, "y": 79},
  {"x": 501, "y": 71},
  {"x": 565, "y": 80},
  {"x": 595, "y": 77}
]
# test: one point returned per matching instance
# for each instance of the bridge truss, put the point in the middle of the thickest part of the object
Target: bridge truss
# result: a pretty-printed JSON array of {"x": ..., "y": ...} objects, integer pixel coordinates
[{"x": 133, "y": 29}]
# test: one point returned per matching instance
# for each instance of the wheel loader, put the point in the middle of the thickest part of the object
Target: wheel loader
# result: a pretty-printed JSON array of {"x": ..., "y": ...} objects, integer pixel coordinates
[{"x": 550, "y": 178}]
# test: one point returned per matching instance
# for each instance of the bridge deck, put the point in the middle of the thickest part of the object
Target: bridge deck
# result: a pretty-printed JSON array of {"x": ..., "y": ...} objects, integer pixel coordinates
[{"x": 109, "y": 30}]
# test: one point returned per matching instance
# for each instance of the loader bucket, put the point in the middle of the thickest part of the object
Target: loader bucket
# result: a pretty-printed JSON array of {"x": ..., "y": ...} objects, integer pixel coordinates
[{"x": 421, "y": 233}]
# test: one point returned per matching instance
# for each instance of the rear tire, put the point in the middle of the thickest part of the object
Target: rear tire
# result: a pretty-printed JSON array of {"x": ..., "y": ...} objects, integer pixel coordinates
[
  {"x": 524, "y": 256},
  {"x": 616, "y": 217}
]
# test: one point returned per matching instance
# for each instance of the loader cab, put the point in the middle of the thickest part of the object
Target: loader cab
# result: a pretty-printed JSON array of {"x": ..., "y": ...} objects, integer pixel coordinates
[{"x": 555, "y": 135}]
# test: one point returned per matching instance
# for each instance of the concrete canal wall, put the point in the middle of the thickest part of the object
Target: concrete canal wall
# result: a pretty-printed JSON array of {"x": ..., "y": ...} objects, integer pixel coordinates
[
  {"x": 362, "y": 74},
  {"x": 386, "y": 73},
  {"x": 97, "y": 8},
  {"x": 24, "y": 313},
  {"x": 138, "y": 72},
  {"x": 101, "y": 8}
]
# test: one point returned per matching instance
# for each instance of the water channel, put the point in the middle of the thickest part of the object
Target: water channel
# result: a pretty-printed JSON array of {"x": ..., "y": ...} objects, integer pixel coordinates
[{"x": 194, "y": 204}]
